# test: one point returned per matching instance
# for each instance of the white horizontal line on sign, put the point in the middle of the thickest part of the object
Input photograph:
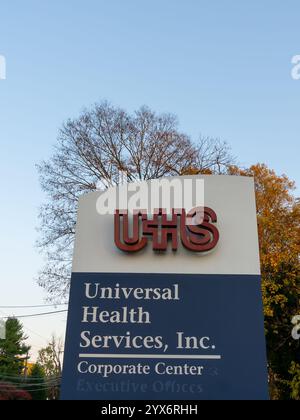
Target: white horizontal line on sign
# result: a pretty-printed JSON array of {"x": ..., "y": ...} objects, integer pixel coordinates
[{"x": 149, "y": 356}]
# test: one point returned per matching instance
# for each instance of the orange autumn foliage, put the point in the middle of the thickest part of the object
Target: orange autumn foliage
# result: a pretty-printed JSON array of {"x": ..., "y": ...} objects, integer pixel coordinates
[{"x": 278, "y": 214}]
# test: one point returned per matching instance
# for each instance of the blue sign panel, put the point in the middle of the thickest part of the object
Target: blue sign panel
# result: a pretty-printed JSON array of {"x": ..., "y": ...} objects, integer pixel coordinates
[{"x": 165, "y": 337}]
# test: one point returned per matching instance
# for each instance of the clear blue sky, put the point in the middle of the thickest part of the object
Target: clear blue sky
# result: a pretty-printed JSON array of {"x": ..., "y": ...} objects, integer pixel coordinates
[{"x": 223, "y": 66}]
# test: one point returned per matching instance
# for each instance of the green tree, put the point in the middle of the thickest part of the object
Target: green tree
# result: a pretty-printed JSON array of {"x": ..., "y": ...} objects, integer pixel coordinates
[
  {"x": 295, "y": 382},
  {"x": 36, "y": 383},
  {"x": 13, "y": 350}
]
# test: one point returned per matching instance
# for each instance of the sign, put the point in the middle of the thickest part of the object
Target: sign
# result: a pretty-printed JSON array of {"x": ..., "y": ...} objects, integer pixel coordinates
[{"x": 182, "y": 324}]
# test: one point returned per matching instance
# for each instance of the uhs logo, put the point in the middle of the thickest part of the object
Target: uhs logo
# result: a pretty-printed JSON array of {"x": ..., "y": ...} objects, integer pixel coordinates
[{"x": 197, "y": 230}]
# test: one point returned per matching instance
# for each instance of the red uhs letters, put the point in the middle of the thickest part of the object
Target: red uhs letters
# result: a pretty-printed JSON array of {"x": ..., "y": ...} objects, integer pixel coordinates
[{"x": 198, "y": 232}]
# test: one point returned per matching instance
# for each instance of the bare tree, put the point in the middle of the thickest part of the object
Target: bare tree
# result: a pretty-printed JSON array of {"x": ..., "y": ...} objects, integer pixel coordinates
[
  {"x": 50, "y": 360},
  {"x": 94, "y": 148}
]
